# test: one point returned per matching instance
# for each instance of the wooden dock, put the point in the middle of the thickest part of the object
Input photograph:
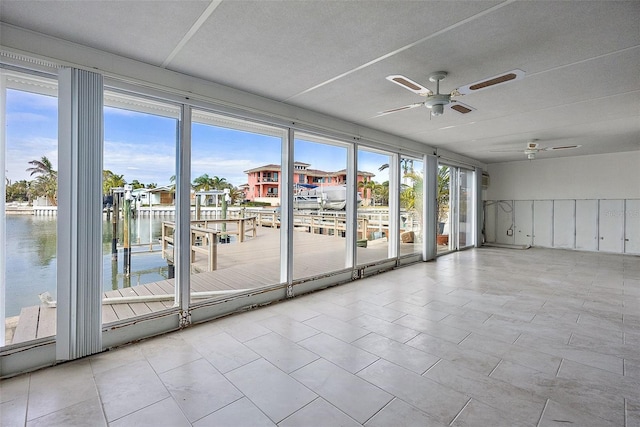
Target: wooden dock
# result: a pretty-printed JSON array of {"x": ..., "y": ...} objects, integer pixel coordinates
[{"x": 240, "y": 266}]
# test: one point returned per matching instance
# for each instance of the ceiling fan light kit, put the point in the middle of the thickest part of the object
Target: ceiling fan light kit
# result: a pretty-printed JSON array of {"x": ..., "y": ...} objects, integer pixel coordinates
[{"x": 437, "y": 101}]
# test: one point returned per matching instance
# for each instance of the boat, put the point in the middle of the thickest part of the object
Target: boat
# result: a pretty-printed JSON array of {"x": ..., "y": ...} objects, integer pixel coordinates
[{"x": 328, "y": 198}]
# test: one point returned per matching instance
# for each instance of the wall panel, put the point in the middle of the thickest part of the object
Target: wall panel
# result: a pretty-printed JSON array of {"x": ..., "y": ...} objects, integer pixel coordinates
[
  {"x": 587, "y": 225},
  {"x": 564, "y": 224},
  {"x": 523, "y": 219},
  {"x": 611, "y": 226},
  {"x": 632, "y": 227},
  {"x": 543, "y": 223}
]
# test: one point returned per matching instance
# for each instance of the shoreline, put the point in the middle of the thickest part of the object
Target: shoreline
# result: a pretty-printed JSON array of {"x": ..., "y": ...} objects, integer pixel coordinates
[{"x": 19, "y": 211}]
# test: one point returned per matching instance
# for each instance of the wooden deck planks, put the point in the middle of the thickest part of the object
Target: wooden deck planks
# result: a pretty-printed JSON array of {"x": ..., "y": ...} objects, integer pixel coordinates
[
  {"x": 252, "y": 264},
  {"x": 27, "y": 327},
  {"x": 46, "y": 322}
]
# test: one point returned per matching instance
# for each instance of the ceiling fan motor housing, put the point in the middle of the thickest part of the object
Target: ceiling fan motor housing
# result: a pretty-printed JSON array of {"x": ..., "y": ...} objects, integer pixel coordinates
[{"x": 436, "y": 103}]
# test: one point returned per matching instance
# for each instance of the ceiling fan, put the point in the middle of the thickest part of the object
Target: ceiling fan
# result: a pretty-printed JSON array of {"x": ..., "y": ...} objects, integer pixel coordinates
[
  {"x": 437, "y": 101},
  {"x": 534, "y": 148}
]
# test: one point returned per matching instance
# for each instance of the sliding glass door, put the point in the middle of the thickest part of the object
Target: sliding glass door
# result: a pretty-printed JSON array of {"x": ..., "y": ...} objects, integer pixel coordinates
[{"x": 455, "y": 208}]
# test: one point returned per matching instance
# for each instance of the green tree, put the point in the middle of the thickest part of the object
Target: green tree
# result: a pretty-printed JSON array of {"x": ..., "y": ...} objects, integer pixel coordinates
[
  {"x": 236, "y": 195},
  {"x": 46, "y": 181},
  {"x": 220, "y": 183},
  {"x": 443, "y": 192},
  {"x": 202, "y": 183},
  {"x": 135, "y": 184},
  {"x": 411, "y": 194},
  {"x": 17, "y": 192},
  {"x": 367, "y": 188},
  {"x": 111, "y": 180},
  {"x": 381, "y": 193},
  {"x": 405, "y": 164}
]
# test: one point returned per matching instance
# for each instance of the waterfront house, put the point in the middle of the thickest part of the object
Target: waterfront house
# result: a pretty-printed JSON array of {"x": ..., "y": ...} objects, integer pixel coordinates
[{"x": 264, "y": 181}]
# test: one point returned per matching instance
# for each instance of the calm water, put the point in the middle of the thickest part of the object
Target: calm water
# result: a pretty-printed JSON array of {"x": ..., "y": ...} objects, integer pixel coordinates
[{"x": 32, "y": 264}]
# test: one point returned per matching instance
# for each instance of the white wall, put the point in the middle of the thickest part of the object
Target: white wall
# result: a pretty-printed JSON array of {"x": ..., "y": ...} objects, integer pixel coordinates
[
  {"x": 603, "y": 176},
  {"x": 587, "y": 203}
]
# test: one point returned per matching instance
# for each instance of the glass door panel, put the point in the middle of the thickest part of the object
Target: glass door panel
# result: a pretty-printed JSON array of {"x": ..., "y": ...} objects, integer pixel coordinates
[
  {"x": 138, "y": 202},
  {"x": 319, "y": 206},
  {"x": 373, "y": 206},
  {"x": 466, "y": 208},
  {"x": 445, "y": 209},
  {"x": 456, "y": 213},
  {"x": 28, "y": 292},
  {"x": 411, "y": 206},
  {"x": 235, "y": 205}
]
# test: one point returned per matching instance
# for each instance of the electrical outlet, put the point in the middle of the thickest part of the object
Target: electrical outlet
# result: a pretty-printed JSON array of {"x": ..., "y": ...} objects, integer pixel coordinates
[{"x": 510, "y": 232}]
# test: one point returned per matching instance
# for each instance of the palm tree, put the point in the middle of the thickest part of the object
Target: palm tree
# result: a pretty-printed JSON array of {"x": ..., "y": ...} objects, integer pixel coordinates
[
  {"x": 111, "y": 180},
  {"x": 235, "y": 194},
  {"x": 135, "y": 184},
  {"x": 46, "y": 182},
  {"x": 41, "y": 167},
  {"x": 203, "y": 183},
  {"x": 411, "y": 195},
  {"x": 367, "y": 188},
  {"x": 405, "y": 164},
  {"x": 443, "y": 192},
  {"x": 220, "y": 183},
  {"x": 381, "y": 192}
]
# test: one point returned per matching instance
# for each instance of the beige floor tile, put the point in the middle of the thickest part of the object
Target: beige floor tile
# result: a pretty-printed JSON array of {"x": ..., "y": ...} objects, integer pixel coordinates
[
  {"x": 319, "y": 413},
  {"x": 344, "y": 390},
  {"x": 400, "y": 414},
  {"x": 538, "y": 337},
  {"x": 438, "y": 401},
  {"x": 199, "y": 389},
  {"x": 275, "y": 393}
]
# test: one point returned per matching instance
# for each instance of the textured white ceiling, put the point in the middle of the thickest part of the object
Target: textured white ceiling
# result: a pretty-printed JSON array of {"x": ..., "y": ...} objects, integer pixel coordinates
[{"x": 582, "y": 61}]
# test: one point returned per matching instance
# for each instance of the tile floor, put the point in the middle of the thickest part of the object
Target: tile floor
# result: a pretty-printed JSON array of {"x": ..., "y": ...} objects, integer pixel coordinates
[{"x": 484, "y": 337}]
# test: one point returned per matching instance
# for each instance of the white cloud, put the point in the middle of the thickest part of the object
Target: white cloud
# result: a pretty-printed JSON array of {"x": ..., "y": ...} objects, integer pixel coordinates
[
  {"x": 27, "y": 117},
  {"x": 21, "y": 151}
]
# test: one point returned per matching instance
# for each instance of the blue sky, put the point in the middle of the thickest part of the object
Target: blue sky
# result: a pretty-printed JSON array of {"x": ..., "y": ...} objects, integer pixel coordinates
[{"x": 142, "y": 146}]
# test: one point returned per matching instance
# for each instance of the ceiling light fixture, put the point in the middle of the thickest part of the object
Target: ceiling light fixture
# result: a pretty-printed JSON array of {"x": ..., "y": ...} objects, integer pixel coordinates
[{"x": 437, "y": 109}]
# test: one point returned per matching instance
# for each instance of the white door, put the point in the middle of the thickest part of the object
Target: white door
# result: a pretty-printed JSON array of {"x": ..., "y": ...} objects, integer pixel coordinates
[
  {"x": 543, "y": 223},
  {"x": 587, "y": 225},
  {"x": 632, "y": 227},
  {"x": 564, "y": 224},
  {"x": 611, "y": 226},
  {"x": 523, "y": 222}
]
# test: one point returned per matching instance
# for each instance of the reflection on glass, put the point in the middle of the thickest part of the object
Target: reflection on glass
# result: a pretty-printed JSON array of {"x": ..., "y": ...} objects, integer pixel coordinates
[
  {"x": 138, "y": 199},
  {"x": 411, "y": 207},
  {"x": 31, "y": 187},
  {"x": 235, "y": 205},
  {"x": 465, "y": 220},
  {"x": 444, "y": 209},
  {"x": 319, "y": 207},
  {"x": 373, "y": 210}
]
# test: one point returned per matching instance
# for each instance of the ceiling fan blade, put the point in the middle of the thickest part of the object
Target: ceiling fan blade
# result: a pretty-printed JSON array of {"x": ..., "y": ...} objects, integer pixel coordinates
[
  {"x": 564, "y": 147},
  {"x": 460, "y": 107},
  {"x": 409, "y": 84},
  {"x": 506, "y": 151},
  {"x": 507, "y": 77},
  {"x": 395, "y": 110}
]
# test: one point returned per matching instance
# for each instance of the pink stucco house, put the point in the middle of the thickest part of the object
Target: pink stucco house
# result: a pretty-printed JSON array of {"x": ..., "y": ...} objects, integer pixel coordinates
[{"x": 263, "y": 183}]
